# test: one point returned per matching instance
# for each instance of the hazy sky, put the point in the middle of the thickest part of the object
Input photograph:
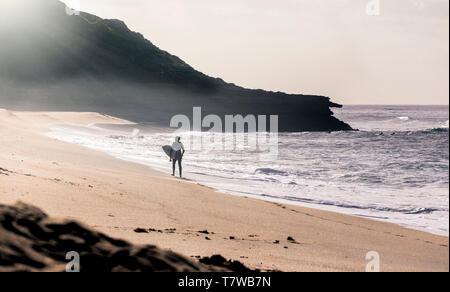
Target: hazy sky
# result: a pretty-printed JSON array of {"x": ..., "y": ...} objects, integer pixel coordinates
[{"x": 326, "y": 47}]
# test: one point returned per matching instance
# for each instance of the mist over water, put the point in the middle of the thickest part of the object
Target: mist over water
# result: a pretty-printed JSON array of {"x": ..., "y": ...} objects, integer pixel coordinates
[{"x": 395, "y": 169}]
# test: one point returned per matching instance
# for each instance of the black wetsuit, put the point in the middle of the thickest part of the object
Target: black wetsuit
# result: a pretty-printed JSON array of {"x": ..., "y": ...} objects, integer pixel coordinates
[{"x": 177, "y": 157}]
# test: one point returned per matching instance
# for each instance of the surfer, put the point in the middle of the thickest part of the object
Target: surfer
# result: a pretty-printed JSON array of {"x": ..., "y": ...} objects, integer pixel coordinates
[{"x": 176, "y": 155}]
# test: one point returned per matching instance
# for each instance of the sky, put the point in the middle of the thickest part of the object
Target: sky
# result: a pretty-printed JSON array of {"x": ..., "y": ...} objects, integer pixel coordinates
[{"x": 346, "y": 49}]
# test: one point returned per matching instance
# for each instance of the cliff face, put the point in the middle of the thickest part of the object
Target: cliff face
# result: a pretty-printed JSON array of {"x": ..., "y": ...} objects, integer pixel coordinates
[{"x": 52, "y": 61}]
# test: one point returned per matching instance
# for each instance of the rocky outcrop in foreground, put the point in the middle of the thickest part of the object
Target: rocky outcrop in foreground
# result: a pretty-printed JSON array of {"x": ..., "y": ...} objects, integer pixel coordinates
[{"x": 30, "y": 241}]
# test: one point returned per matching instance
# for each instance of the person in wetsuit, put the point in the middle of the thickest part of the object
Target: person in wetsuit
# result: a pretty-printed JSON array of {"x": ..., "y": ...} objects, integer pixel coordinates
[{"x": 177, "y": 155}]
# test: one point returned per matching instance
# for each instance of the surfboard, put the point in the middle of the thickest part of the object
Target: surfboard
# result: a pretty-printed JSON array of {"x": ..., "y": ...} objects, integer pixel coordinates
[{"x": 167, "y": 149}]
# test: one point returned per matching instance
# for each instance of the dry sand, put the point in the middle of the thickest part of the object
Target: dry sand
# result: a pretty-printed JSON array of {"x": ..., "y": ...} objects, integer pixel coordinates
[
  {"x": 30, "y": 241},
  {"x": 117, "y": 197}
]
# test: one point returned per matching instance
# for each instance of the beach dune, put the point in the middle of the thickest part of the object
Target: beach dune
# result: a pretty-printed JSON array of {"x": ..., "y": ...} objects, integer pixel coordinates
[{"x": 140, "y": 205}]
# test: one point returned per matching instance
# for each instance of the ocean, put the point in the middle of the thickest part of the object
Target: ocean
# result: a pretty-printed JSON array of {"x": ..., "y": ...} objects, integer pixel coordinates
[{"x": 394, "y": 169}]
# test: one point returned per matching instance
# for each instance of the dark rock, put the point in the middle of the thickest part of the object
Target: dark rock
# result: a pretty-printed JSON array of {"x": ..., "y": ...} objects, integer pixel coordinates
[
  {"x": 292, "y": 240},
  {"x": 141, "y": 230},
  {"x": 220, "y": 261},
  {"x": 91, "y": 64},
  {"x": 31, "y": 241}
]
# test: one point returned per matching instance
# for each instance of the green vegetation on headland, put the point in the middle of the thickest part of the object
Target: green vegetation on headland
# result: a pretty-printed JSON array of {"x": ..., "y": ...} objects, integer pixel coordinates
[{"x": 50, "y": 60}]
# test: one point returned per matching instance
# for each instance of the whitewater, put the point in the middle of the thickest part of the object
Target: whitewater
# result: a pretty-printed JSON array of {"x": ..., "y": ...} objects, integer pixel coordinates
[{"x": 394, "y": 169}]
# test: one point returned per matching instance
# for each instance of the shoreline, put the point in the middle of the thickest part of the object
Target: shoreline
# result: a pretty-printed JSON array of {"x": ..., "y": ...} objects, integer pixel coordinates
[
  {"x": 116, "y": 197},
  {"x": 221, "y": 184}
]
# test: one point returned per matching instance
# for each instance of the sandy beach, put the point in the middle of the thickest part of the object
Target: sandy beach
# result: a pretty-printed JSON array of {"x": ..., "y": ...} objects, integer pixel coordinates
[{"x": 117, "y": 197}]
